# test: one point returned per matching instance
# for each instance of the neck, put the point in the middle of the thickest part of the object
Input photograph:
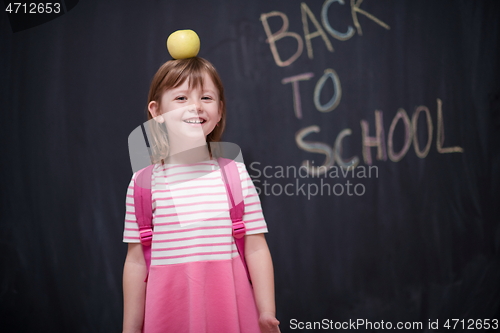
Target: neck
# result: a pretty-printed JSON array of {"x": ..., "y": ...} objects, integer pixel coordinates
[{"x": 188, "y": 152}]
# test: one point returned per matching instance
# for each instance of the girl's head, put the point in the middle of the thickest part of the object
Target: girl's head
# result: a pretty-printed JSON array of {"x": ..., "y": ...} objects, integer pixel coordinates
[{"x": 173, "y": 76}]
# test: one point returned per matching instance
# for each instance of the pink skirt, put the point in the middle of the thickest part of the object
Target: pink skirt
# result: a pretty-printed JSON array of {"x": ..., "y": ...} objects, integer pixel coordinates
[{"x": 197, "y": 297}]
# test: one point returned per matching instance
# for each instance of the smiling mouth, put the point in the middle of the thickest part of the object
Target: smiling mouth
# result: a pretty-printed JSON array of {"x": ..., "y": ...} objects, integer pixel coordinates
[{"x": 194, "y": 121}]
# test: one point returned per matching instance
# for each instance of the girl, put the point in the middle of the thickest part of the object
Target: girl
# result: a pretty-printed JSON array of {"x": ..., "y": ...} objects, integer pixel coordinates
[{"x": 197, "y": 281}]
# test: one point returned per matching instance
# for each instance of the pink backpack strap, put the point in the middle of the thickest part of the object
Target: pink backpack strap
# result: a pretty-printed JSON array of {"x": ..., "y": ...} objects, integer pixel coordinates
[
  {"x": 143, "y": 211},
  {"x": 231, "y": 178}
]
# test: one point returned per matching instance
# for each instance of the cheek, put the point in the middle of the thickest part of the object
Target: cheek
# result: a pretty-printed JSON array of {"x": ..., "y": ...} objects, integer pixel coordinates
[
  {"x": 219, "y": 110},
  {"x": 166, "y": 108},
  {"x": 211, "y": 128}
]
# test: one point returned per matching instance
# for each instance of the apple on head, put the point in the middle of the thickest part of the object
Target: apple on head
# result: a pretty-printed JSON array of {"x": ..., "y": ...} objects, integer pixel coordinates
[{"x": 183, "y": 44}]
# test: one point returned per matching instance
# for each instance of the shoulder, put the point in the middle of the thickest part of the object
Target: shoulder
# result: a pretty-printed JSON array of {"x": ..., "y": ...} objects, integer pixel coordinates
[
  {"x": 145, "y": 174},
  {"x": 240, "y": 165}
]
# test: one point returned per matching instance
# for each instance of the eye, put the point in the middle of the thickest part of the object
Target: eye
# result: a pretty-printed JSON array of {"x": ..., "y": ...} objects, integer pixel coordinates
[
  {"x": 181, "y": 98},
  {"x": 207, "y": 97}
]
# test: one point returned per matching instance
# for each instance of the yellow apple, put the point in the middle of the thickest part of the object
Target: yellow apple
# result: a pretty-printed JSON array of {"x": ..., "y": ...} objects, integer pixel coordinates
[{"x": 183, "y": 44}]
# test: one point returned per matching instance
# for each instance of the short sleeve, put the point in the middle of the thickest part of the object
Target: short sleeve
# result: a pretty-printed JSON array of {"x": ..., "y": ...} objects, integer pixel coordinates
[
  {"x": 131, "y": 229},
  {"x": 253, "y": 216}
]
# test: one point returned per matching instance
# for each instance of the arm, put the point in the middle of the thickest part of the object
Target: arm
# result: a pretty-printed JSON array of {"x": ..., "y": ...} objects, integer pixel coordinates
[
  {"x": 260, "y": 267},
  {"x": 134, "y": 289}
]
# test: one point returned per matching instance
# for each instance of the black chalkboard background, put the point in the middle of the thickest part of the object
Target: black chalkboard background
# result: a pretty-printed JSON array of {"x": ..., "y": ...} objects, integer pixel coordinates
[{"x": 421, "y": 243}]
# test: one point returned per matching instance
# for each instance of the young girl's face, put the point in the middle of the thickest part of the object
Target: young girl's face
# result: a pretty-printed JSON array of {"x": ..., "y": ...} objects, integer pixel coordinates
[{"x": 191, "y": 111}]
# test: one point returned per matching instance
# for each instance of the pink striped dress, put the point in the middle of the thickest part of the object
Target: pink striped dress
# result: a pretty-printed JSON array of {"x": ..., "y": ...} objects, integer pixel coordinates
[{"x": 197, "y": 282}]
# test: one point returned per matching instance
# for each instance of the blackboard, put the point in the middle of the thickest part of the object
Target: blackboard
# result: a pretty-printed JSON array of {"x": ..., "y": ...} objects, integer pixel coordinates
[{"x": 405, "y": 93}]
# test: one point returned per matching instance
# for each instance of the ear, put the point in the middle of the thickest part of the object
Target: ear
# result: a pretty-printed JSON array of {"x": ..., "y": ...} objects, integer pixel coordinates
[{"x": 154, "y": 109}]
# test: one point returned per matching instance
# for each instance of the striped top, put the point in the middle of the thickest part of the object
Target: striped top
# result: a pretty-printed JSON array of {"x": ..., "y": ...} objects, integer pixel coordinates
[{"x": 191, "y": 213}]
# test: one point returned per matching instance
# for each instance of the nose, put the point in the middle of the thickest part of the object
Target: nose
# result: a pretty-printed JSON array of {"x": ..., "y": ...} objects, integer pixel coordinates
[{"x": 199, "y": 106}]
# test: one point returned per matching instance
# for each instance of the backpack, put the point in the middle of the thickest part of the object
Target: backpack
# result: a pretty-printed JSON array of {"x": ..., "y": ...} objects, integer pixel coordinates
[{"x": 144, "y": 214}]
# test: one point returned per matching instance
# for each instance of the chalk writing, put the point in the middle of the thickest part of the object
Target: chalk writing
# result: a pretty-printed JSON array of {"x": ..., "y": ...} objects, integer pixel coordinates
[
  {"x": 297, "y": 105},
  {"x": 314, "y": 147},
  {"x": 378, "y": 140},
  {"x": 414, "y": 121},
  {"x": 337, "y": 152},
  {"x": 354, "y": 12},
  {"x": 282, "y": 33},
  {"x": 306, "y": 12},
  {"x": 401, "y": 114},
  {"x": 335, "y": 100},
  {"x": 440, "y": 133},
  {"x": 334, "y": 33}
]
